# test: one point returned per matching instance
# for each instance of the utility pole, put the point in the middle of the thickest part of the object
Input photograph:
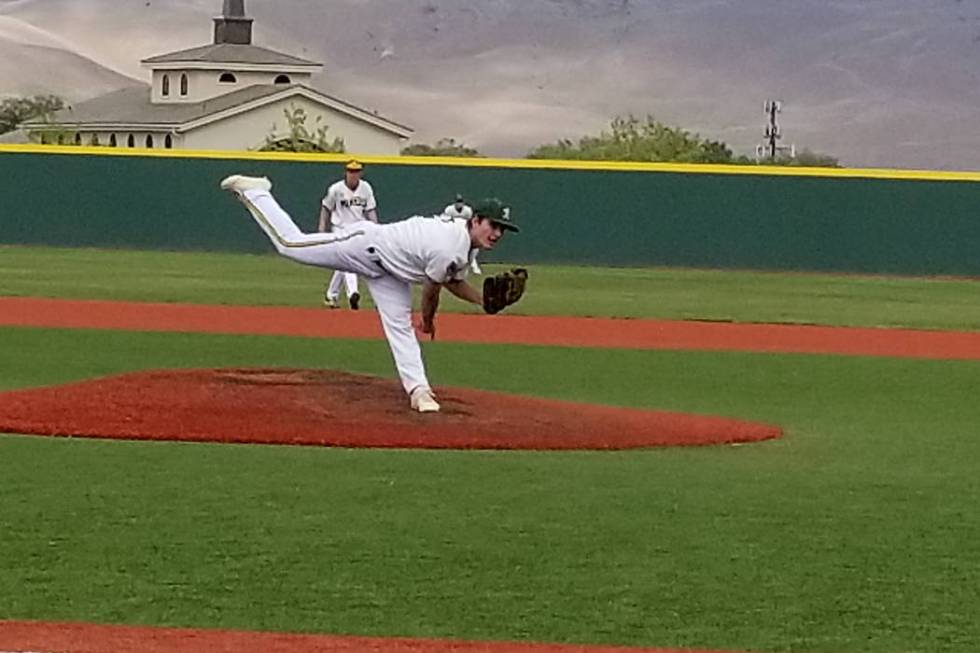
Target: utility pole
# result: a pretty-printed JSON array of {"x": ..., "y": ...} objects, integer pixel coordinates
[
  {"x": 772, "y": 107},
  {"x": 773, "y": 133}
]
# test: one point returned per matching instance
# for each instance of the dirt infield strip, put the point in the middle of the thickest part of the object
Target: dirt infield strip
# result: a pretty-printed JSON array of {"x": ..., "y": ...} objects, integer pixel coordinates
[
  {"x": 47, "y": 637},
  {"x": 509, "y": 329}
]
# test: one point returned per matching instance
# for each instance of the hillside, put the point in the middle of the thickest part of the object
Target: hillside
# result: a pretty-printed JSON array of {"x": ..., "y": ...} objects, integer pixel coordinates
[
  {"x": 34, "y": 61},
  {"x": 886, "y": 83}
]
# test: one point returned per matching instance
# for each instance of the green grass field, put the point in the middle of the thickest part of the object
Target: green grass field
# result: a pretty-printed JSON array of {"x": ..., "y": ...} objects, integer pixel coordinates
[
  {"x": 603, "y": 292},
  {"x": 855, "y": 533}
]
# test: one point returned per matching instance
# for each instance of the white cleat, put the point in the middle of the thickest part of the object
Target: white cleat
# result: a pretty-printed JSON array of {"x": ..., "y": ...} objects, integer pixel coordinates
[
  {"x": 423, "y": 401},
  {"x": 240, "y": 183}
]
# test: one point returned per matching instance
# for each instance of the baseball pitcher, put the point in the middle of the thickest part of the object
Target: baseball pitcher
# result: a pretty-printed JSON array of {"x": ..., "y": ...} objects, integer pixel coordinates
[{"x": 433, "y": 253}]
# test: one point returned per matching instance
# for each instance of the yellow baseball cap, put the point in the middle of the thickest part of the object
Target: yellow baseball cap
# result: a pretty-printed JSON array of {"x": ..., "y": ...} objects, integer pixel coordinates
[{"x": 354, "y": 166}]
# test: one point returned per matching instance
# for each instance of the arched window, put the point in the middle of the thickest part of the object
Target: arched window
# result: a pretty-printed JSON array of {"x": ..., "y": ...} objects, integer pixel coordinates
[
  {"x": 130, "y": 142},
  {"x": 165, "y": 86},
  {"x": 183, "y": 84},
  {"x": 112, "y": 140},
  {"x": 227, "y": 78},
  {"x": 61, "y": 139},
  {"x": 149, "y": 141},
  {"x": 78, "y": 138},
  {"x": 168, "y": 142},
  {"x": 282, "y": 79},
  {"x": 95, "y": 142}
]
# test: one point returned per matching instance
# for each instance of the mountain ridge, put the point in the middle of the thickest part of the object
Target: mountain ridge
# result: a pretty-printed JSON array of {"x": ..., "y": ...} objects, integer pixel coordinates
[{"x": 875, "y": 83}]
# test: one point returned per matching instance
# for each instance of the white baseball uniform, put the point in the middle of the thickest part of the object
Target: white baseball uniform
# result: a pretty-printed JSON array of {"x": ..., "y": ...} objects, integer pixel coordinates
[
  {"x": 464, "y": 214},
  {"x": 391, "y": 257},
  {"x": 346, "y": 207}
]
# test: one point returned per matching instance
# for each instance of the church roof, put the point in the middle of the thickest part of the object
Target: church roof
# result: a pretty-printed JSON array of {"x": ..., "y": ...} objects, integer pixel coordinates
[
  {"x": 232, "y": 53},
  {"x": 131, "y": 106}
]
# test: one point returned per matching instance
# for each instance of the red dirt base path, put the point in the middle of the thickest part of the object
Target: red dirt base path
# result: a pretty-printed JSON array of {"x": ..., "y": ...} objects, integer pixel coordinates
[
  {"x": 42, "y": 637},
  {"x": 331, "y": 408},
  {"x": 510, "y": 329}
]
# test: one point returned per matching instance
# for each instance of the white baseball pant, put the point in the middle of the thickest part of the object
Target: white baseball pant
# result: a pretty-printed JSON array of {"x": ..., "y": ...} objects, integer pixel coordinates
[
  {"x": 353, "y": 251},
  {"x": 349, "y": 279}
]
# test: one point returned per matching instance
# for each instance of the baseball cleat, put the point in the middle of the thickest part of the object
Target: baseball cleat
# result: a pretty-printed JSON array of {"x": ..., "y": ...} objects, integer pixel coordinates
[
  {"x": 355, "y": 301},
  {"x": 423, "y": 401},
  {"x": 331, "y": 302},
  {"x": 240, "y": 183}
]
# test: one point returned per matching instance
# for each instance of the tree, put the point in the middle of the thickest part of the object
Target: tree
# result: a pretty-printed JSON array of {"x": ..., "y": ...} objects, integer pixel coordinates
[
  {"x": 299, "y": 138},
  {"x": 804, "y": 157},
  {"x": 15, "y": 110},
  {"x": 632, "y": 139},
  {"x": 443, "y": 147}
]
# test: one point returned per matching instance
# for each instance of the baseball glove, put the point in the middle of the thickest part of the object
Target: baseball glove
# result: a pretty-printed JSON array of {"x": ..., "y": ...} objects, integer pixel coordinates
[{"x": 503, "y": 289}]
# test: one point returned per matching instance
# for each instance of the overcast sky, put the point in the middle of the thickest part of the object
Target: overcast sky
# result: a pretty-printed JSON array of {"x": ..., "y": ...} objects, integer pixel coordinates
[{"x": 876, "y": 83}]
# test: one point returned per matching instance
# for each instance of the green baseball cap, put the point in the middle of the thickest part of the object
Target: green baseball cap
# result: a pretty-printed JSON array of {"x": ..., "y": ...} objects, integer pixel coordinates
[{"x": 496, "y": 211}]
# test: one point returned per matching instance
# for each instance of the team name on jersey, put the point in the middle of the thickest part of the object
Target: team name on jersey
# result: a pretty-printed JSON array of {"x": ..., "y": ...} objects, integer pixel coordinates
[{"x": 353, "y": 201}]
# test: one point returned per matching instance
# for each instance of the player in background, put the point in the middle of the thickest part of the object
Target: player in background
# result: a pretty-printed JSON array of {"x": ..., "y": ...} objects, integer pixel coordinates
[
  {"x": 431, "y": 252},
  {"x": 347, "y": 201},
  {"x": 460, "y": 210}
]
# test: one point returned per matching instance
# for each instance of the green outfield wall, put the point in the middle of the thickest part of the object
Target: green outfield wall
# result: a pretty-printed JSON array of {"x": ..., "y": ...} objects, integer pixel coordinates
[{"x": 609, "y": 214}]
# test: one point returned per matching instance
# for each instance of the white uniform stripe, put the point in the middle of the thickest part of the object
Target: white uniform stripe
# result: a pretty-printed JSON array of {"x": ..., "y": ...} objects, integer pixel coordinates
[{"x": 282, "y": 240}]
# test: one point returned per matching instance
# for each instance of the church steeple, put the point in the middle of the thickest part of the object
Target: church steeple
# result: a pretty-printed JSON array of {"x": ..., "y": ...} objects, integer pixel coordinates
[{"x": 233, "y": 26}]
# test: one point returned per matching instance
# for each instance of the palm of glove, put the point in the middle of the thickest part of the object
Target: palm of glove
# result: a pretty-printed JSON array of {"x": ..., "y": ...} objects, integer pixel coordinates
[{"x": 503, "y": 289}]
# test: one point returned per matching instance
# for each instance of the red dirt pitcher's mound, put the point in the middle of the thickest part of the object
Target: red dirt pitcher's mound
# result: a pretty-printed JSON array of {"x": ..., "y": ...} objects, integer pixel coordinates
[{"x": 324, "y": 407}]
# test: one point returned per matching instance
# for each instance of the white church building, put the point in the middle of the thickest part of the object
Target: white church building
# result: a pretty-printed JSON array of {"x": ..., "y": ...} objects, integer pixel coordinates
[{"x": 227, "y": 95}]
